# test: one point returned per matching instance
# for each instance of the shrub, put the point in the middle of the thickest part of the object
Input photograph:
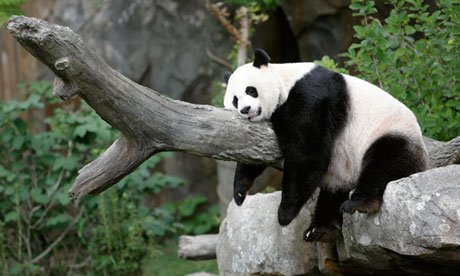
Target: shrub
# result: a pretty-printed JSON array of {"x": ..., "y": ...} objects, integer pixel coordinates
[
  {"x": 41, "y": 232},
  {"x": 413, "y": 54}
]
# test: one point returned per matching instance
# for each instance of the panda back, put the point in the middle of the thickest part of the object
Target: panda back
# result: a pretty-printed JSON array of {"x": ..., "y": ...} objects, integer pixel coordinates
[{"x": 373, "y": 113}]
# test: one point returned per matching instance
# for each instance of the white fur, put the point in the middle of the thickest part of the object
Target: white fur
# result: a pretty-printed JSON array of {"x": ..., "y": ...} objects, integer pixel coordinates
[
  {"x": 273, "y": 83},
  {"x": 372, "y": 113}
]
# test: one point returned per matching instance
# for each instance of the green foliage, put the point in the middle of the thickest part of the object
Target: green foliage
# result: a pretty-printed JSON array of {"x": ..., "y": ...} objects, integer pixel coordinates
[
  {"x": 167, "y": 264},
  {"x": 36, "y": 170},
  {"x": 256, "y": 11},
  {"x": 413, "y": 55},
  {"x": 262, "y": 4},
  {"x": 190, "y": 216},
  {"x": 330, "y": 64},
  {"x": 9, "y": 8},
  {"x": 119, "y": 242},
  {"x": 39, "y": 160},
  {"x": 218, "y": 91}
]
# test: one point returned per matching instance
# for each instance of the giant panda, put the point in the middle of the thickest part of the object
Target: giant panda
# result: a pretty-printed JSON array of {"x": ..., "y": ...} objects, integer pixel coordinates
[{"x": 335, "y": 131}]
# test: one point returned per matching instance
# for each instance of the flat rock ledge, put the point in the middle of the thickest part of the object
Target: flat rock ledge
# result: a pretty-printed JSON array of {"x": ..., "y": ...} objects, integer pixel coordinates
[{"x": 417, "y": 230}]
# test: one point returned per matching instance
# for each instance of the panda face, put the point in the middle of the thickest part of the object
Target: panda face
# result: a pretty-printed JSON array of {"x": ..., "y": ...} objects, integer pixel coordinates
[{"x": 252, "y": 91}]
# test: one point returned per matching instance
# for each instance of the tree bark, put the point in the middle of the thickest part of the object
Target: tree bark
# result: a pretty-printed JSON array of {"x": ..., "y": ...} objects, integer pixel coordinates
[{"x": 148, "y": 122}]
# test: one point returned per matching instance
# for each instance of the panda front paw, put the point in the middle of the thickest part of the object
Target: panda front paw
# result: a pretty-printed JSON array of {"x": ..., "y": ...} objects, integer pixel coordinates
[{"x": 286, "y": 214}]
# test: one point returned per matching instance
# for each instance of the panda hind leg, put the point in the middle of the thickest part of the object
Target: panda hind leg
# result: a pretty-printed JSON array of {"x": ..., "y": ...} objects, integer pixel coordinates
[
  {"x": 327, "y": 220},
  {"x": 389, "y": 158}
]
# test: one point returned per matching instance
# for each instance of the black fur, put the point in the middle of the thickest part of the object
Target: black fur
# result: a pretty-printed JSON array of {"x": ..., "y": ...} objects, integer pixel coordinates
[
  {"x": 227, "y": 76},
  {"x": 327, "y": 221},
  {"x": 306, "y": 126},
  {"x": 244, "y": 178},
  {"x": 260, "y": 58},
  {"x": 389, "y": 158},
  {"x": 252, "y": 91},
  {"x": 245, "y": 110},
  {"x": 235, "y": 102}
]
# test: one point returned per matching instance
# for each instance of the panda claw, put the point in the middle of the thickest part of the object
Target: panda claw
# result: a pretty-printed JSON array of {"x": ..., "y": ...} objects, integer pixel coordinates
[
  {"x": 326, "y": 234},
  {"x": 308, "y": 233},
  {"x": 239, "y": 198}
]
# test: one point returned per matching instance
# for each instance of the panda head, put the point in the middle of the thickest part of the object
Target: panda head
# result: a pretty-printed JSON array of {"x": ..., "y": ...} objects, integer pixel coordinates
[{"x": 252, "y": 89}]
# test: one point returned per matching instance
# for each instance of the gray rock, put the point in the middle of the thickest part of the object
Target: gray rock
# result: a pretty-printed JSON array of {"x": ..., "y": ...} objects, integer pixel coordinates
[
  {"x": 418, "y": 222},
  {"x": 320, "y": 27},
  {"x": 417, "y": 230},
  {"x": 160, "y": 44},
  {"x": 252, "y": 241}
]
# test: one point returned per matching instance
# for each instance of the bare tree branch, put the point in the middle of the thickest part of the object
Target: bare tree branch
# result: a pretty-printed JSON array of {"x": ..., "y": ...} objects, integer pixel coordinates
[
  {"x": 148, "y": 121},
  {"x": 201, "y": 247},
  {"x": 220, "y": 13}
]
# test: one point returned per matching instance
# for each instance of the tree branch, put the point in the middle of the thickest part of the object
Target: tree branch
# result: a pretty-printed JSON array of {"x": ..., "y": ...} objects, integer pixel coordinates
[
  {"x": 221, "y": 14},
  {"x": 148, "y": 121}
]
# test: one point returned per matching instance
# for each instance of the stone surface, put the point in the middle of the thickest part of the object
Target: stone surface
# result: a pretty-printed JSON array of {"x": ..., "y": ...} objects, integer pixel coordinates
[
  {"x": 417, "y": 230},
  {"x": 252, "y": 241},
  {"x": 320, "y": 27},
  {"x": 160, "y": 44},
  {"x": 418, "y": 222}
]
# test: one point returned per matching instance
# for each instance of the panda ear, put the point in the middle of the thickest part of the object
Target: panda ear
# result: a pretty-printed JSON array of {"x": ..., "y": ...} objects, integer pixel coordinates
[
  {"x": 260, "y": 58},
  {"x": 227, "y": 75}
]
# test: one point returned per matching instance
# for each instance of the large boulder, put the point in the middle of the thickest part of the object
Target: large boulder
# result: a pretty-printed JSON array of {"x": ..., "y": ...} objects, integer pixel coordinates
[
  {"x": 252, "y": 241},
  {"x": 417, "y": 230}
]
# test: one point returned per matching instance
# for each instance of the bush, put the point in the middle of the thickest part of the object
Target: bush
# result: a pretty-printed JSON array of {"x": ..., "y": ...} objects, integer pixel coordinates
[
  {"x": 413, "y": 55},
  {"x": 9, "y": 8},
  {"x": 40, "y": 230}
]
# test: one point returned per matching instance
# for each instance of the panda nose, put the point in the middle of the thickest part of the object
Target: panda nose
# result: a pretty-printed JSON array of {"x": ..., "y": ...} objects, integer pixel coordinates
[{"x": 245, "y": 110}]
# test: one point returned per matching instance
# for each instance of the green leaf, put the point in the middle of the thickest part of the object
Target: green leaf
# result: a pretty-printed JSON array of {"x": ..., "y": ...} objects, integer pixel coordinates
[
  {"x": 18, "y": 142},
  {"x": 66, "y": 162},
  {"x": 409, "y": 29},
  {"x": 188, "y": 206},
  {"x": 63, "y": 199},
  {"x": 355, "y": 6},
  {"x": 11, "y": 216},
  {"x": 37, "y": 196},
  {"x": 58, "y": 219}
]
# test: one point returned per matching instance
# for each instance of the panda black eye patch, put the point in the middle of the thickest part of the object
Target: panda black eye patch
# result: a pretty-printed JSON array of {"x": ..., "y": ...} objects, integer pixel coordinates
[
  {"x": 235, "y": 102},
  {"x": 252, "y": 91}
]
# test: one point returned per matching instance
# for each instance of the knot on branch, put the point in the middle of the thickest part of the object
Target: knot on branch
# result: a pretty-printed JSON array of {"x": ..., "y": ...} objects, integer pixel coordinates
[{"x": 61, "y": 63}]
